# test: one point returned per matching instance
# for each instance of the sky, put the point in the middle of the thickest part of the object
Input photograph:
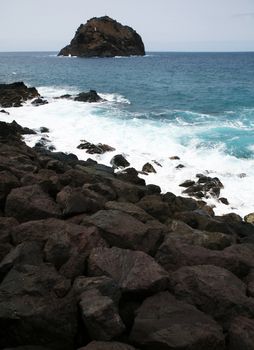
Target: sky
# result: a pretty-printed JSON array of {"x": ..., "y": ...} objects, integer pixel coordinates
[{"x": 164, "y": 25}]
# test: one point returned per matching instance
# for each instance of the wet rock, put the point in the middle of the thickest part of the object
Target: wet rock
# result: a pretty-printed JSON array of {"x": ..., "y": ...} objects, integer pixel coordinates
[
  {"x": 36, "y": 309},
  {"x": 241, "y": 334},
  {"x": 100, "y": 345},
  {"x": 130, "y": 175},
  {"x": 153, "y": 189},
  {"x": 174, "y": 158},
  {"x": 187, "y": 183},
  {"x": 95, "y": 149},
  {"x": 148, "y": 168},
  {"x": 90, "y": 96},
  {"x": 44, "y": 144},
  {"x": 118, "y": 161},
  {"x": 180, "y": 166},
  {"x": 39, "y": 102},
  {"x": 30, "y": 203},
  {"x": 104, "y": 37},
  {"x": 5, "y": 112},
  {"x": 224, "y": 200},
  {"x": 13, "y": 95},
  {"x": 163, "y": 322},
  {"x": 20, "y": 129},
  {"x": 124, "y": 231},
  {"x": 249, "y": 218},
  {"x": 135, "y": 272},
  {"x": 44, "y": 129},
  {"x": 213, "y": 290}
]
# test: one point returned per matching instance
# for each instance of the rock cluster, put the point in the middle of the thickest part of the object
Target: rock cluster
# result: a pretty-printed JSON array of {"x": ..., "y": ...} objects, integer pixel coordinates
[
  {"x": 104, "y": 37},
  {"x": 93, "y": 259},
  {"x": 13, "y": 95}
]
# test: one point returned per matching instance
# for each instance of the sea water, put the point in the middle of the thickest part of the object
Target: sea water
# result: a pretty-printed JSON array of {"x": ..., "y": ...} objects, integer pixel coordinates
[{"x": 197, "y": 106}]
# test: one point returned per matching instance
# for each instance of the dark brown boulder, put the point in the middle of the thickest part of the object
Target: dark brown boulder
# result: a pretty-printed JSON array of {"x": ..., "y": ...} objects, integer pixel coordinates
[
  {"x": 100, "y": 315},
  {"x": 90, "y": 96},
  {"x": 118, "y": 161},
  {"x": 163, "y": 322},
  {"x": 156, "y": 207},
  {"x": 104, "y": 37},
  {"x": 148, "y": 168},
  {"x": 135, "y": 272},
  {"x": 102, "y": 345},
  {"x": 30, "y": 203},
  {"x": 35, "y": 308},
  {"x": 124, "y": 231},
  {"x": 241, "y": 334},
  {"x": 131, "y": 209},
  {"x": 213, "y": 290},
  {"x": 13, "y": 95},
  {"x": 8, "y": 181}
]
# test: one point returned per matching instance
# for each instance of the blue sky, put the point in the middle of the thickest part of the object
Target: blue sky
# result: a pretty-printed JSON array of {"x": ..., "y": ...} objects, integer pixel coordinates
[{"x": 165, "y": 25}]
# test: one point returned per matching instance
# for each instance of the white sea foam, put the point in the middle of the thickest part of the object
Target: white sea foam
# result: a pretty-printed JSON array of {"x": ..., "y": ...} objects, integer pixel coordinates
[{"x": 141, "y": 141}]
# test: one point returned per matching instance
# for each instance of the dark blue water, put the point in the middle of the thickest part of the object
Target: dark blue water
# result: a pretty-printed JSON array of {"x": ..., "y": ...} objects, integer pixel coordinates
[{"x": 215, "y": 90}]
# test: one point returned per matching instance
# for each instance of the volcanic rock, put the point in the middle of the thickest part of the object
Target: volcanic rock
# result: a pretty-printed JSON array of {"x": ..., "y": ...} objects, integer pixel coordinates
[
  {"x": 91, "y": 148},
  {"x": 163, "y": 322},
  {"x": 90, "y": 96},
  {"x": 39, "y": 102},
  {"x": 148, "y": 168},
  {"x": 13, "y": 95},
  {"x": 118, "y": 161},
  {"x": 104, "y": 37}
]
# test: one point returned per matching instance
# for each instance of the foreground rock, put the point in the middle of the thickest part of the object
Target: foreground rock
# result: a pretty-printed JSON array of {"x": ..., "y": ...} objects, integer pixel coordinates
[
  {"x": 104, "y": 37},
  {"x": 84, "y": 252},
  {"x": 13, "y": 95},
  {"x": 163, "y": 322}
]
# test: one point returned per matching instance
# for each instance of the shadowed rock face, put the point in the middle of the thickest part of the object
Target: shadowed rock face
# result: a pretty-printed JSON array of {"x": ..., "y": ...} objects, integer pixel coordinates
[{"x": 104, "y": 37}]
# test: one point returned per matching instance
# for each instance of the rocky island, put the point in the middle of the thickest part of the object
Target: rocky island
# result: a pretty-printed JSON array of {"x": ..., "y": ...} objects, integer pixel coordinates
[{"x": 104, "y": 37}]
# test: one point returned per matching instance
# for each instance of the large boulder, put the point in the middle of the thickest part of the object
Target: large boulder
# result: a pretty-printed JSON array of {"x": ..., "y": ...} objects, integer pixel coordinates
[
  {"x": 36, "y": 308},
  {"x": 213, "y": 290},
  {"x": 135, "y": 272},
  {"x": 104, "y": 37},
  {"x": 13, "y": 95},
  {"x": 30, "y": 203},
  {"x": 122, "y": 230},
  {"x": 163, "y": 322}
]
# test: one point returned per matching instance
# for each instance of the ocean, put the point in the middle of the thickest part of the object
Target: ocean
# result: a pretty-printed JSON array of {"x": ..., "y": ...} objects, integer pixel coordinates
[{"x": 197, "y": 106}]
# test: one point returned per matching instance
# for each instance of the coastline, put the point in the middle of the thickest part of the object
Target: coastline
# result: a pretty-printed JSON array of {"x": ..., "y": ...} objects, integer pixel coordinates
[{"x": 107, "y": 247}]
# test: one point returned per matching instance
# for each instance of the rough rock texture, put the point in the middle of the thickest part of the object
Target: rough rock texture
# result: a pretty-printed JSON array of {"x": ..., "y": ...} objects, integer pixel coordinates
[
  {"x": 104, "y": 37},
  {"x": 84, "y": 251},
  {"x": 163, "y": 322},
  {"x": 13, "y": 95}
]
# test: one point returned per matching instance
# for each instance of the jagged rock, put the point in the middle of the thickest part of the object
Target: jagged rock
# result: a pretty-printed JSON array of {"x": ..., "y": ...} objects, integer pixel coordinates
[
  {"x": 163, "y": 322},
  {"x": 174, "y": 158},
  {"x": 15, "y": 128},
  {"x": 131, "y": 209},
  {"x": 13, "y": 95},
  {"x": 44, "y": 129},
  {"x": 30, "y": 203},
  {"x": 35, "y": 308},
  {"x": 124, "y": 231},
  {"x": 180, "y": 166},
  {"x": 241, "y": 334},
  {"x": 100, "y": 315},
  {"x": 104, "y": 37},
  {"x": 91, "y": 148},
  {"x": 5, "y": 112},
  {"x": 213, "y": 290},
  {"x": 148, "y": 168},
  {"x": 90, "y": 96},
  {"x": 72, "y": 202},
  {"x": 44, "y": 144},
  {"x": 130, "y": 175},
  {"x": 118, "y": 161},
  {"x": 39, "y": 102},
  {"x": 224, "y": 200},
  {"x": 135, "y": 272},
  {"x": 187, "y": 183}
]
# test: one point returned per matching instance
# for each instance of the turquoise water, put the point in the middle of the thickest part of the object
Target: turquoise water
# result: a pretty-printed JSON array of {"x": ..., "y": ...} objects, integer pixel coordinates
[{"x": 213, "y": 92}]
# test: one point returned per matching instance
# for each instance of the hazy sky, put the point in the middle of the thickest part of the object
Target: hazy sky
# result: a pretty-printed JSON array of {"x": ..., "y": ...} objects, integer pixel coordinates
[{"x": 166, "y": 25}]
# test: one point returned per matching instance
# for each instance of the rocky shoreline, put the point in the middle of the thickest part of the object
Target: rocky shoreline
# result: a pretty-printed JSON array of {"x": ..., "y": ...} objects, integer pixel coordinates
[
  {"x": 97, "y": 260},
  {"x": 93, "y": 258}
]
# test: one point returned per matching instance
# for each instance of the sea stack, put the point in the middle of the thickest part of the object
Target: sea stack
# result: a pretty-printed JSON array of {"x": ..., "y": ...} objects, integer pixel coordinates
[{"x": 104, "y": 37}]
